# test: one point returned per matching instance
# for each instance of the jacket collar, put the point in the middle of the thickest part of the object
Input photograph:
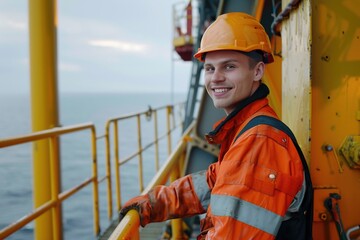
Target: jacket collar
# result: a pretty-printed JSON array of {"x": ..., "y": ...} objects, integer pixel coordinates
[{"x": 222, "y": 127}]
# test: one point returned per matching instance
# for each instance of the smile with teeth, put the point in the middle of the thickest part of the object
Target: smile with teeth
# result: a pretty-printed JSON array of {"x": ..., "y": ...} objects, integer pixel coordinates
[{"x": 220, "y": 90}]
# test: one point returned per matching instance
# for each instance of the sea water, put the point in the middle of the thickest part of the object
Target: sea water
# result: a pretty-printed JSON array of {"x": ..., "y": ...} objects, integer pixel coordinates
[{"x": 16, "y": 169}]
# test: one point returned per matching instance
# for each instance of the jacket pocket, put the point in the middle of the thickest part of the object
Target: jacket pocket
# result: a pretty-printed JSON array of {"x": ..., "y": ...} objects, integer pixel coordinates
[{"x": 261, "y": 179}]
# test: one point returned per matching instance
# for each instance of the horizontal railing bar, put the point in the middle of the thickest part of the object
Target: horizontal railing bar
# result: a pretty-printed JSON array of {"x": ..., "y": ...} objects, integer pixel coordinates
[
  {"x": 125, "y": 160},
  {"x": 102, "y": 179},
  {"x": 43, "y": 134},
  {"x": 26, "y": 219},
  {"x": 130, "y": 115},
  {"x": 101, "y": 137},
  {"x": 64, "y": 195}
]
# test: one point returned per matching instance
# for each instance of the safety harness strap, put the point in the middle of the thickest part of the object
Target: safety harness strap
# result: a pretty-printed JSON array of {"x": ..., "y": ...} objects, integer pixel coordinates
[{"x": 306, "y": 207}]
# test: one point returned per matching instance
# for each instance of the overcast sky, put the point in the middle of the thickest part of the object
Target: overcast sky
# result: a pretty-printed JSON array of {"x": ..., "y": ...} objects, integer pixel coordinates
[{"x": 106, "y": 46}]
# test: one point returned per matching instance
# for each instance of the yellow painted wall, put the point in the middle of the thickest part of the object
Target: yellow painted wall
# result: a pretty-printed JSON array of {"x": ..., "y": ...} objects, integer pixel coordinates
[
  {"x": 335, "y": 104},
  {"x": 321, "y": 100}
]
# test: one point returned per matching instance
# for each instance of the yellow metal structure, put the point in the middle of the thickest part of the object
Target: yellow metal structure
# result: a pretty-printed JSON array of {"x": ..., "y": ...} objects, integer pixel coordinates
[
  {"x": 334, "y": 104},
  {"x": 320, "y": 101},
  {"x": 44, "y": 108}
]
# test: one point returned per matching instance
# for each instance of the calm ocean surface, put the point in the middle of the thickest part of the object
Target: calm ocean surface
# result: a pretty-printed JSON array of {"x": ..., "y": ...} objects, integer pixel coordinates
[{"x": 16, "y": 162}]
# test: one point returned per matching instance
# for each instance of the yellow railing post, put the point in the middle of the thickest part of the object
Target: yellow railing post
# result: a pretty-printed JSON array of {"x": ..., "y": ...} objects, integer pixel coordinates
[
  {"x": 168, "y": 125},
  {"x": 55, "y": 188},
  {"x": 140, "y": 150},
  {"x": 108, "y": 169},
  {"x": 44, "y": 105},
  {"x": 117, "y": 166},
  {"x": 156, "y": 141},
  {"x": 95, "y": 182},
  {"x": 176, "y": 224}
]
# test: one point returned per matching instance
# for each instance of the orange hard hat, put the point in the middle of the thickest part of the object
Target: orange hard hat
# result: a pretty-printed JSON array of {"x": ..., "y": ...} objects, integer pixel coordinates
[{"x": 235, "y": 31}]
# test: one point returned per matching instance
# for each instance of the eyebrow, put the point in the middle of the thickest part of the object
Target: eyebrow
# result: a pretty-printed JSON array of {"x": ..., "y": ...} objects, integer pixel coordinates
[{"x": 223, "y": 62}]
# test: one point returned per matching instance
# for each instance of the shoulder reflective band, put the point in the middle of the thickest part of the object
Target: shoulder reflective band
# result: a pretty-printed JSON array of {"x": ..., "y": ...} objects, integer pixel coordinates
[
  {"x": 201, "y": 188},
  {"x": 246, "y": 212}
]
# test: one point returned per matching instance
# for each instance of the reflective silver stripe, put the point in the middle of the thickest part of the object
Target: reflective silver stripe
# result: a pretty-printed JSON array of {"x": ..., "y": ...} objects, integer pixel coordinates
[
  {"x": 297, "y": 201},
  {"x": 201, "y": 188},
  {"x": 246, "y": 212}
]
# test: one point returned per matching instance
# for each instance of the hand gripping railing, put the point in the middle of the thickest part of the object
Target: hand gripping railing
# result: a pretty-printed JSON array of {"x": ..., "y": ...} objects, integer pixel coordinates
[{"x": 128, "y": 228}]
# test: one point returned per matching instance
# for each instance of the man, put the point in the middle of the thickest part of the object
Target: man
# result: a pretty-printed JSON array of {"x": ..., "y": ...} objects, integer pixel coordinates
[{"x": 258, "y": 180}]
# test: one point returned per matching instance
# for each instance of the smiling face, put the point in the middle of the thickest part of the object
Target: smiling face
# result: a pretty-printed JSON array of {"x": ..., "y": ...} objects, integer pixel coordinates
[{"x": 230, "y": 77}]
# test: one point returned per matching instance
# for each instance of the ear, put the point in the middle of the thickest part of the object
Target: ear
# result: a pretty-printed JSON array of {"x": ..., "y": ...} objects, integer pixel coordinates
[{"x": 259, "y": 71}]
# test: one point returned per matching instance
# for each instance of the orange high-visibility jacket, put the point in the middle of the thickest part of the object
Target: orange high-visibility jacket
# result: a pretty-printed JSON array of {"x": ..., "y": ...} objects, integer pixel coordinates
[{"x": 247, "y": 193}]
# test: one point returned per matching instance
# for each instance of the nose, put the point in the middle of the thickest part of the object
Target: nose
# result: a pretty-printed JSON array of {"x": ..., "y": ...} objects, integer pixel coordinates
[{"x": 217, "y": 76}]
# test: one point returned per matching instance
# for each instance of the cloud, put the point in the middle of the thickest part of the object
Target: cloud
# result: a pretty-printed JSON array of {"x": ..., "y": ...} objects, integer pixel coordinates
[
  {"x": 118, "y": 45},
  {"x": 13, "y": 29},
  {"x": 69, "y": 67},
  {"x": 13, "y": 21},
  {"x": 18, "y": 25}
]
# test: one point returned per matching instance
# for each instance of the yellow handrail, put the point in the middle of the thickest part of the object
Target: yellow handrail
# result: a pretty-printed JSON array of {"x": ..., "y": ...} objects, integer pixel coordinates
[
  {"x": 7, "y": 142},
  {"x": 57, "y": 196},
  {"x": 118, "y": 162},
  {"x": 129, "y": 226}
]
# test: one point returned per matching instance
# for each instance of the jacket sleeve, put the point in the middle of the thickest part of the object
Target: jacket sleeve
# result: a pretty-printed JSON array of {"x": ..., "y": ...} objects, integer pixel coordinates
[
  {"x": 257, "y": 180},
  {"x": 189, "y": 195}
]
